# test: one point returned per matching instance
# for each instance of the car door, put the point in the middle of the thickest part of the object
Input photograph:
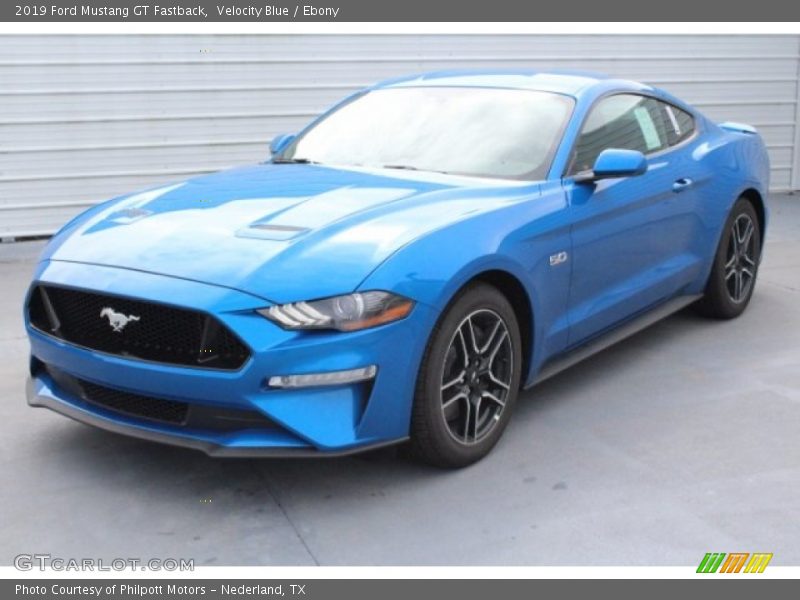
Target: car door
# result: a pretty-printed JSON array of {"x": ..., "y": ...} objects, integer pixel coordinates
[{"x": 631, "y": 237}]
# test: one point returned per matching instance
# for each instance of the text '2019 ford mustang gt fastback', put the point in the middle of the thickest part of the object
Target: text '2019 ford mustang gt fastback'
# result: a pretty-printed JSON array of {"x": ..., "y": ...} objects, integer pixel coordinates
[{"x": 400, "y": 269}]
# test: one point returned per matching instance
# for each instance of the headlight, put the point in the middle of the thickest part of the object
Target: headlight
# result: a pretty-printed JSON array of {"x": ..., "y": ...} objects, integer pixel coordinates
[{"x": 345, "y": 313}]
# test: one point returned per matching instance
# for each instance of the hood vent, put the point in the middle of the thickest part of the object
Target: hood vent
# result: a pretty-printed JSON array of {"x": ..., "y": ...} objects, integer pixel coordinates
[{"x": 268, "y": 231}]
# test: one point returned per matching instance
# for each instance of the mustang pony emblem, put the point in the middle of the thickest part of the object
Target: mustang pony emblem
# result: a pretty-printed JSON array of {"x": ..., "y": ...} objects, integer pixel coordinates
[{"x": 117, "y": 320}]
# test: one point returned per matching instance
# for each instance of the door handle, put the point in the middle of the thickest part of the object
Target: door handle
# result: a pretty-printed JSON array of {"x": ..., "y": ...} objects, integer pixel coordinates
[{"x": 681, "y": 184}]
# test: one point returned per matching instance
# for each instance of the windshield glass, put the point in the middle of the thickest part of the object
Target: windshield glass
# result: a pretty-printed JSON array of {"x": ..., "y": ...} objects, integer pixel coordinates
[{"x": 469, "y": 131}]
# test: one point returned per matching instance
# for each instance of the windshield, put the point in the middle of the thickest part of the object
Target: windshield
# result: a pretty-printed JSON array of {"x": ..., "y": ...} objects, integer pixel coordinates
[{"x": 469, "y": 131}]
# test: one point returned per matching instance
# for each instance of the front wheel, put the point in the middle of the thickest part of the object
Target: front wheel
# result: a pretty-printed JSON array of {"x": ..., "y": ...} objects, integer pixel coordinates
[
  {"x": 468, "y": 381},
  {"x": 733, "y": 275}
]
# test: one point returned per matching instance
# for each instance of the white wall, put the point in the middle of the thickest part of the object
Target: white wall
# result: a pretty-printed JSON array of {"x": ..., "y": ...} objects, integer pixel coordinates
[{"x": 85, "y": 118}]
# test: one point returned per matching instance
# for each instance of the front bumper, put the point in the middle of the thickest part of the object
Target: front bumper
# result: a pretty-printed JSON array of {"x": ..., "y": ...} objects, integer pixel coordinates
[
  {"x": 312, "y": 421},
  {"x": 39, "y": 394}
]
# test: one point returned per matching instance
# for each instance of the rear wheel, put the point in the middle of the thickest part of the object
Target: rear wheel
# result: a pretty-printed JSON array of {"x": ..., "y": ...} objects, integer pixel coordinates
[
  {"x": 733, "y": 275},
  {"x": 469, "y": 380}
]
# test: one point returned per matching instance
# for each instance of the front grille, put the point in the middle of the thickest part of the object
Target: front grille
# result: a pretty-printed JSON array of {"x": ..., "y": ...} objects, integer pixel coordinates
[
  {"x": 134, "y": 328},
  {"x": 154, "y": 409}
]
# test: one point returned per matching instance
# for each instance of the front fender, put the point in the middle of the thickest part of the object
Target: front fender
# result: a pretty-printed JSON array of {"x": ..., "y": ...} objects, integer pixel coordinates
[{"x": 517, "y": 239}]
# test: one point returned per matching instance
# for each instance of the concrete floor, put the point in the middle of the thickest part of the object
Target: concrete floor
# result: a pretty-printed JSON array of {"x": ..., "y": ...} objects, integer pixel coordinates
[{"x": 677, "y": 442}]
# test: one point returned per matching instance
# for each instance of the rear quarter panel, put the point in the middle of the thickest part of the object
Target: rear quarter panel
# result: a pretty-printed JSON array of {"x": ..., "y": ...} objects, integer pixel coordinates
[{"x": 735, "y": 163}]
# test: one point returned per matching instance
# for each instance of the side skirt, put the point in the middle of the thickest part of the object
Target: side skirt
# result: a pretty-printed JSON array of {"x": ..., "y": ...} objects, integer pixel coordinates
[{"x": 627, "y": 329}]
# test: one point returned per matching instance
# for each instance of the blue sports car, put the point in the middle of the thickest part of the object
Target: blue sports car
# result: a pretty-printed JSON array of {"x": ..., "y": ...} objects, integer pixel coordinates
[{"x": 400, "y": 269}]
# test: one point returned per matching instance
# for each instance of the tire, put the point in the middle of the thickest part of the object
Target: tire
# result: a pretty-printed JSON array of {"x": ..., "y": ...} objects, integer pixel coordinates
[
  {"x": 446, "y": 429},
  {"x": 733, "y": 274}
]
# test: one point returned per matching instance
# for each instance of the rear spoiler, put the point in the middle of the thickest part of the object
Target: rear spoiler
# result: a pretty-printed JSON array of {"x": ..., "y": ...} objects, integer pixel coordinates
[{"x": 738, "y": 127}]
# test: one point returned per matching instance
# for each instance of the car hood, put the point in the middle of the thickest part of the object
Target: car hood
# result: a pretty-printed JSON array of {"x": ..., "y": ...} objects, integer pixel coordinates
[{"x": 281, "y": 232}]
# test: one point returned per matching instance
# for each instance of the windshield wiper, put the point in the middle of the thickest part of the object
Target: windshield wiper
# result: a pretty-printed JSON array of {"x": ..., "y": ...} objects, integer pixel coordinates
[
  {"x": 294, "y": 161},
  {"x": 410, "y": 168}
]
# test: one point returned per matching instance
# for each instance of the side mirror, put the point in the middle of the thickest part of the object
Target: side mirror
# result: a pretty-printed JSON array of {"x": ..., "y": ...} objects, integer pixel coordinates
[
  {"x": 279, "y": 142},
  {"x": 615, "y": 162}
]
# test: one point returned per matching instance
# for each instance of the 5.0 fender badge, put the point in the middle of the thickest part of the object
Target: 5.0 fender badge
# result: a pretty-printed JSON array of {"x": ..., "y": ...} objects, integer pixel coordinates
[{"x": 557, "y": 259}]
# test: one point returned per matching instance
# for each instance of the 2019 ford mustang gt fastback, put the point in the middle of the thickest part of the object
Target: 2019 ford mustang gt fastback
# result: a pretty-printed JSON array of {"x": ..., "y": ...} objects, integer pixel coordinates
[{"x": 400, "y": 269}]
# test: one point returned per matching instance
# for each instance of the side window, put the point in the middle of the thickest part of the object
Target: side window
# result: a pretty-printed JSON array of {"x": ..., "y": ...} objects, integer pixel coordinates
[
  {"x": 680, "y": 124},
  {"x": 623, "y": 121}
]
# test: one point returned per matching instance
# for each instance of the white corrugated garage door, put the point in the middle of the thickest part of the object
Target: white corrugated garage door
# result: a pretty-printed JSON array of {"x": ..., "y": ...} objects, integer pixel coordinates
[{"x": 85, "y": 118}]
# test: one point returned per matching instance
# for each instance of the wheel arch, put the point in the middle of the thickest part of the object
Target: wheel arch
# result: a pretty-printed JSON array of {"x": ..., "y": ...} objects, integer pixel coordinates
[
  {"x": 515, "y": 292},
  {"x": 756, "y": 199}
]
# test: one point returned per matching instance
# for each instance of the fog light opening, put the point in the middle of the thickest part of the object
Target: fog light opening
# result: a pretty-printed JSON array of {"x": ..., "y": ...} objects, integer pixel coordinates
[{"x": 323, "y": 379}]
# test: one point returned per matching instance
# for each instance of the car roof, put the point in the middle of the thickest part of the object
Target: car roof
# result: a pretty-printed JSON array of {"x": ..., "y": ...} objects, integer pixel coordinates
[{"x": 562, "y": 81}]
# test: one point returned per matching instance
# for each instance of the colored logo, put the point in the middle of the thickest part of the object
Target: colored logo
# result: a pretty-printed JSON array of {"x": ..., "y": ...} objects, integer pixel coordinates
[{"x": 735, "y": 562}]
